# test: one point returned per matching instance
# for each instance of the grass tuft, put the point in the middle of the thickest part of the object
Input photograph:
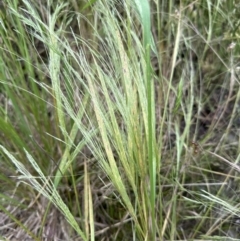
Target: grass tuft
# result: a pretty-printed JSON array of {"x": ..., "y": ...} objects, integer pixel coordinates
[{"x": 119, "y": 120}]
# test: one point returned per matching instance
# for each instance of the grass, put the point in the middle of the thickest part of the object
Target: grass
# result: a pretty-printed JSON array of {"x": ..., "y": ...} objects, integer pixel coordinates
[{"x": 119, "y": 120}]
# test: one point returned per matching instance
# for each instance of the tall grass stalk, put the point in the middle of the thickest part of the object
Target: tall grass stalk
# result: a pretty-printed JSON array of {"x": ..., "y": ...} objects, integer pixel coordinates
[{"x": 144, "y": 12}]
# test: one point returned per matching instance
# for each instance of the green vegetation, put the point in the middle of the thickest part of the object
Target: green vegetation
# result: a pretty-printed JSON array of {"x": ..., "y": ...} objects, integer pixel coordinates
[{"x": 119, "y": 120}]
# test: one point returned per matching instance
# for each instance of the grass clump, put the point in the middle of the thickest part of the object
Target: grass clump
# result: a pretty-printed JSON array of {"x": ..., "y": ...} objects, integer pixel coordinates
[{"x": 121, "y": 120}]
